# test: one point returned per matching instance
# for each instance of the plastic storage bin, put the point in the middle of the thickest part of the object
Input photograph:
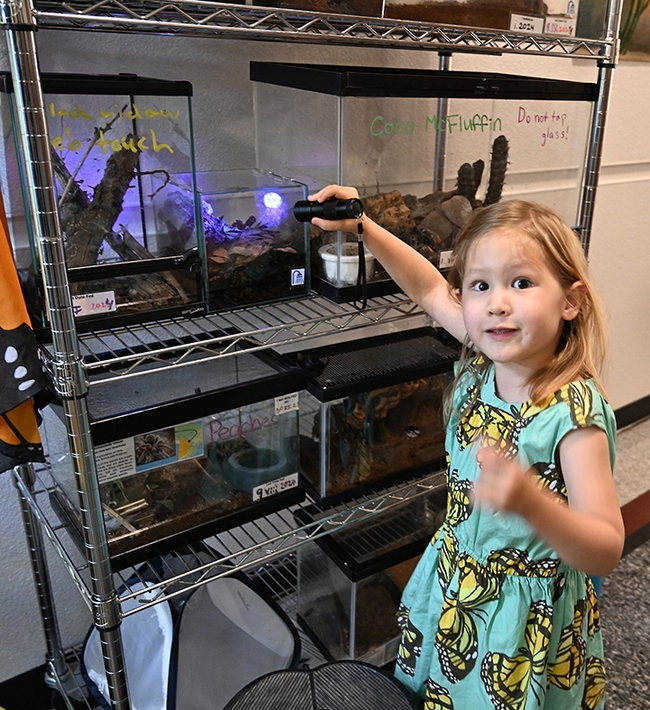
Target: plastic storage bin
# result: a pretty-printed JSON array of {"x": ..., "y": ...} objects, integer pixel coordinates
[
  {"x": 372, "y": 413},
  {"x": 350, "y": 582},
  {"x": 177, "y": 462},
  {"x": 434, "y": 145},
  {"x": 255, "y": 250},
  {"x": 121, "y": 146}
]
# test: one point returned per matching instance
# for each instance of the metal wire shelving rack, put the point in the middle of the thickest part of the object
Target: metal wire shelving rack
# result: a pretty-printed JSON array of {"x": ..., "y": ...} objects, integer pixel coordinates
[
  {"x": 75, "y": 362},
  {"x": 242, "y": 21},
  {"x": 124, "y": 351},
  {"x": 248, "y": 547}
]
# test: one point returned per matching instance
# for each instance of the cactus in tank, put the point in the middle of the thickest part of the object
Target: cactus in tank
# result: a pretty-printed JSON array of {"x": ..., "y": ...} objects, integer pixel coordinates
[
  {"x": 469, "y": 179},
  {"x": 466, "y": 183},
  {"x": 478, "y": 167},
  {"x": 498, "y": 167}
]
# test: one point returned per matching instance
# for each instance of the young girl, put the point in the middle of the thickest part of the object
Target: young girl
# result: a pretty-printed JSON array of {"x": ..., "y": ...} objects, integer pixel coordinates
[{"x": 500, "y": 611}]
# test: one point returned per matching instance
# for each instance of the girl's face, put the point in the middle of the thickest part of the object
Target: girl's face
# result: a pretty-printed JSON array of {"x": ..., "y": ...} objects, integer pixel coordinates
[{"x": 514, "y": 307}]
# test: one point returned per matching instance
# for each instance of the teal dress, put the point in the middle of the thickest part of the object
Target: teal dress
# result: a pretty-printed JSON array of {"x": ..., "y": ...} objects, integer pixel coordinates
[{"x": 491, "y": 618}]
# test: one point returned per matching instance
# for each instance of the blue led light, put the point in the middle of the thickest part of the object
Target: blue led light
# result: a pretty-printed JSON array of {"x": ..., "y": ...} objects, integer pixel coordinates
[{"x": 272, "y": 200}]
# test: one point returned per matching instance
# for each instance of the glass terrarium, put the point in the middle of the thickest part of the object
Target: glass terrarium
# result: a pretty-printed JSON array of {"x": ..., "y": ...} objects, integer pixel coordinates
[
  {"x": 434, "y": 145},
  {"x": 177, "y": 462},
  {"x": 372, "y": 413},
  {"x": 120, "y": 148},
  {"x": 350, "y": 582},
  {"x": 255, "y": 250}
]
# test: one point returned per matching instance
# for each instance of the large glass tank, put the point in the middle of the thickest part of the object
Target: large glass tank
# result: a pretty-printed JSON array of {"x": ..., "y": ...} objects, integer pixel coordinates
[
  {"x": 182, "y": 453},
  {"x": 255, "y": 250},
  {"x": 350, "y": 582},
  {"x": 424, "y": 148},
  {"x": 121, "y": 146},
  {"x": 372, "y": 413}
]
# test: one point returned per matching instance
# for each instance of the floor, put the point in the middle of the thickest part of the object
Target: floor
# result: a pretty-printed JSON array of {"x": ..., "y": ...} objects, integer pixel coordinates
[
  {"x": 624, "y": 599},
  {"x": 625, "y": 618}
]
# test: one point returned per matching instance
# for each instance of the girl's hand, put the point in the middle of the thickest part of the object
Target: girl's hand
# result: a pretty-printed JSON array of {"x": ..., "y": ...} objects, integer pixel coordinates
[
  {"x": 340, "y": 193},
  {"x": 588, "y": 533},
  {"x": 502, "y": 483}
]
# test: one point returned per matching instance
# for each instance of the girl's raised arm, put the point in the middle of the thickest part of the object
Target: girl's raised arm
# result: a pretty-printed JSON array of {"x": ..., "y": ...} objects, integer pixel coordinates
[{"x": 419, "y": 279}]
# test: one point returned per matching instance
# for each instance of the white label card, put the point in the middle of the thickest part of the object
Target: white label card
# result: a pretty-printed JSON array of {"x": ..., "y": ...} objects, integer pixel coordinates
[
  {"x": 277, "y": 486},
  {"x": 287, "y": 403},
  {"x": 526, "y": 23},
  {"x": 115, "y": 460},
  {"x": 86, "y": 304},
  {"x": 446, "y": 259},
  {"x": 560, "y": 26}
]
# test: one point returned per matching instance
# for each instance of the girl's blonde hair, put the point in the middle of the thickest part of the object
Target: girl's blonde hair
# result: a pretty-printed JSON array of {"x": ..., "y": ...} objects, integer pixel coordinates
[{"x": 581, "y": 351}]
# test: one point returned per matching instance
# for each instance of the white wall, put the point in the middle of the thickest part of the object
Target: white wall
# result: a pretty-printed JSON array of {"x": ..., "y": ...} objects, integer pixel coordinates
[
  {"x": 224, "y": 132},
  {"x": 620, "y": 249}
]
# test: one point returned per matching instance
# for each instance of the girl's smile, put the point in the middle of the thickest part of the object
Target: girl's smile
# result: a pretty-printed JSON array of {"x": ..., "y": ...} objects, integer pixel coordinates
[
  {"x": 500, "y": 333},
  {"x": 514, "y": 307}
]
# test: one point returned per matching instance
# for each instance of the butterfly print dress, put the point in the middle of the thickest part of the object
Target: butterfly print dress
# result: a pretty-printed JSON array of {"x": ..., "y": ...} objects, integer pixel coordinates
[{"x": 491, "y": 618}]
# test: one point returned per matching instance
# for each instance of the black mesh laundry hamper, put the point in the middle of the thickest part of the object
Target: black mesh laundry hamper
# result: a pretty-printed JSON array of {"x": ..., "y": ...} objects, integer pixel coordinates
[{"x": 342, "y": 685}]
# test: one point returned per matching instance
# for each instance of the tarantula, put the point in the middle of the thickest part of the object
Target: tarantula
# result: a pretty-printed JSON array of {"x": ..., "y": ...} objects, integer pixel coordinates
[{"x": 154, "y": 447}]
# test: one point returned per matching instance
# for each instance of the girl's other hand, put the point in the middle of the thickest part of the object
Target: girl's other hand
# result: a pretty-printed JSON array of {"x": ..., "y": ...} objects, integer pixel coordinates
[
  {"x": 587, "y": 532},
  {"x": 502, "y": 483},
  {"x": 337, "y": 192}
]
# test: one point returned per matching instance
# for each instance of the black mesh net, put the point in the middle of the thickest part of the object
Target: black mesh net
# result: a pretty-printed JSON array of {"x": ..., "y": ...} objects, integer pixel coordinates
[{"x": 343, "y": 685}]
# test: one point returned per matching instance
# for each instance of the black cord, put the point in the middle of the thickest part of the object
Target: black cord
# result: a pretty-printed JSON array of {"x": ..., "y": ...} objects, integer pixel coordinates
[{"x": 361, "y": 300}]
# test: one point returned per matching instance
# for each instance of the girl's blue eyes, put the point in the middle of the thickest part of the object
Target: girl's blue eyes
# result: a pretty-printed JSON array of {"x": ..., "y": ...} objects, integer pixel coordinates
[{"x": 521, "y": 283}]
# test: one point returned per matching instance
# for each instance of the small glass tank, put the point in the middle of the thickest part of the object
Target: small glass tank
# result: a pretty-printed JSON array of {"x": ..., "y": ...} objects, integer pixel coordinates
[
  {"x": 184, "y": 453},
  {"x": 255, "y": 251},
  {"x": 119, "y": 146},
  {"x": 350, "y": 582},
  {"x": 372, "y": 412},
  {"x": 435, "y": 145}
]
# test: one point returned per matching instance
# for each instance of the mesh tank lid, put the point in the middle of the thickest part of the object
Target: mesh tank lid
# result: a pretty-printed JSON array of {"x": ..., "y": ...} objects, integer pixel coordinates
[
  {"x": 346, "y": 369},
  {"x": 385, "y": 82},
  {"x": 157, "y": 397},
  {"x": 342, "y": 685},
  {"x": 384, "y": 540}
]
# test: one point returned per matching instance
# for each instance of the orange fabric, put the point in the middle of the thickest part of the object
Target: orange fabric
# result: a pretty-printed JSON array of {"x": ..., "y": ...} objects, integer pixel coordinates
[
  {"x": 13, "y": 313},
  {"x": 23, "y": 418}
]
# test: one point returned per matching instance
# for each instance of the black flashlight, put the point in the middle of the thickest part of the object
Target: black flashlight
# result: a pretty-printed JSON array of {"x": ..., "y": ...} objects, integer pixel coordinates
[{"x": 305, "y": 210}]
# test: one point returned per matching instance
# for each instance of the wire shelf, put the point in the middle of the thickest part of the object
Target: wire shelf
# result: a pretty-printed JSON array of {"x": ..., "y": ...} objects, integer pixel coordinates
[
  {"x": 404, "y": 523},
  {"x": 210, "y": 19},
  {"x": 248, "y": 547},
  {"x": 128, "y": 350}
]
